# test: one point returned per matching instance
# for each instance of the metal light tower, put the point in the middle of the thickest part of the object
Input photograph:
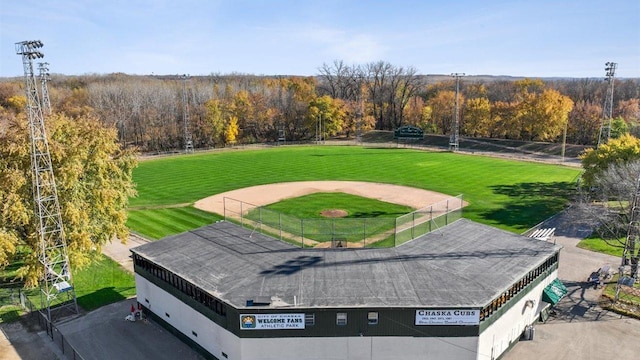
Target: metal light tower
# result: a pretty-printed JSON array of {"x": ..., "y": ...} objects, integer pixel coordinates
[
  {"x": 631, "y": 252},
  {"x": 455, "y": 128},
  {"x": 607, "y": 109},
  {"x": 188, "y": 141},
  {"x": 43, "y": 74},
  {"x": 56, "y": 285}
]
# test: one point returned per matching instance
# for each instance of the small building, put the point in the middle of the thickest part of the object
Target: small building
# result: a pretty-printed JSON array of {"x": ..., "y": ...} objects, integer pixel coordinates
[{"x": 465, "y": 291}]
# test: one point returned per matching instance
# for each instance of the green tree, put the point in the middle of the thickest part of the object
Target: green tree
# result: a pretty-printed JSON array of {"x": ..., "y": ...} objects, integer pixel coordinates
[
  {"x": 619, "y": 127},
  {"x": 617, "y": 151},
  {"x": 93, "y": 179}
]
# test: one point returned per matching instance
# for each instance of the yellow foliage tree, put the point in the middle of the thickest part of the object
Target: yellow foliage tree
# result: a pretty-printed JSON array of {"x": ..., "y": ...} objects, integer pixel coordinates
[
  {"x": 231, "y": 131},
  {"x": 93, "y": 180},
  {"x": 622, "y": 150}
]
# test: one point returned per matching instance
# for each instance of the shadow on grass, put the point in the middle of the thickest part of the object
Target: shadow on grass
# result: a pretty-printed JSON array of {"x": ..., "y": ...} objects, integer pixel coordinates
[
  {"x": 104, "y": 296},
  {"x": 10, "y": 315},
  {"x": 529, "y": 203}
]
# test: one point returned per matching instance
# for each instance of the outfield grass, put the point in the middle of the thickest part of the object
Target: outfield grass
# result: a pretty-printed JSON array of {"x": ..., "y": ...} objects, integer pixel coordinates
[
  {"x": 157, "y": 223},
  {"x": 512, "y": 195}
]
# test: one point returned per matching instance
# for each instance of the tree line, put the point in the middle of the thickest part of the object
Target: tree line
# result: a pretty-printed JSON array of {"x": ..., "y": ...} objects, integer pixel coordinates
[{"x": 149, "y": 111}]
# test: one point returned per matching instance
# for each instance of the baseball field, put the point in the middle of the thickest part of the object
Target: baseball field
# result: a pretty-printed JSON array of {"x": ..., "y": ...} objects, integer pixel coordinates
[{"x": 512, "y": 195}]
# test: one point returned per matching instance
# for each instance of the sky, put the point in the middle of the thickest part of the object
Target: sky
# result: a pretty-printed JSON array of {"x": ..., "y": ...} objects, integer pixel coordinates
[{"x": 541, "y": 38}]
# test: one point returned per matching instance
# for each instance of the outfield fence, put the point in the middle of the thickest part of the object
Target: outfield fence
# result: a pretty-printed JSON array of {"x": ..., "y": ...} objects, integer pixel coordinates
[{"x": 343, "y": 232}]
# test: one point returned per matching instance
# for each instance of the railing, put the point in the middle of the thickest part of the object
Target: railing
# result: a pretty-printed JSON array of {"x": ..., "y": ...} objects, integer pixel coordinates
[{"x": 52, "y": 331}]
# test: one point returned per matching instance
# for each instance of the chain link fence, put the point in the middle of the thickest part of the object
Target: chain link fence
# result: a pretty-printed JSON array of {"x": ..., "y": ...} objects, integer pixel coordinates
[
  {"x": 343, "y": 232},
  {"x": 19, "y": 297}
]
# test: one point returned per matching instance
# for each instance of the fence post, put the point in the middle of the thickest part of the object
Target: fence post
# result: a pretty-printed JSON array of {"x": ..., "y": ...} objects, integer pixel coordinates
[
  {"x": 280, "y": 224},
  {"x": 413, "y": 225},
  {"x": 260, "y": 218},
  {"x": 333, "y": 231},
  {"x": 224, "y": 208},
  {"x": 430, "y": 218},
  {"x": 446, "y": 214},
  {"x": 241, "y": 215},
  {"x": 395, "y": 233},
  {"x": 364, "y": 232},
  {"x": 302, "y": 232}
]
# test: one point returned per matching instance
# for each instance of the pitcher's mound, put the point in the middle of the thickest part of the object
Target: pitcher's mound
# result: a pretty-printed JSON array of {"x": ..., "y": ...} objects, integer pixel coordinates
[{"x": 334, "y": 213}]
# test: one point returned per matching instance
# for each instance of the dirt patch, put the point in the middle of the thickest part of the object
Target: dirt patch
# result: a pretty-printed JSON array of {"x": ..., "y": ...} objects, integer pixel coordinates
[
  {"x": 272, "y": 193},
  {"x": 334, "y": 213}
]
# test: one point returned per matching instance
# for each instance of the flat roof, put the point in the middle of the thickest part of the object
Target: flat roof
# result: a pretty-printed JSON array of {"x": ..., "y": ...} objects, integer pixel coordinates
[{"x": 464, "y": 264}]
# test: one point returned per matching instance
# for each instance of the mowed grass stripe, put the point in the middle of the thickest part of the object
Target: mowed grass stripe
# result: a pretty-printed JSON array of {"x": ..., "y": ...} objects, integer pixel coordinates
[
  {"x": 512, "y": 195},
  {"x": 158, "y": 223}
]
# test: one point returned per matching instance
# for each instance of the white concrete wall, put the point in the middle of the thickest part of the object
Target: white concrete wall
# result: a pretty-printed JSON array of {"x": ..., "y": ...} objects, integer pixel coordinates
[
  {"x": 216, "y": 340},
  {"x": 211, "y": 336},
  {"x": 496, "y": 339},
  {"x": 360, "y": 348}
]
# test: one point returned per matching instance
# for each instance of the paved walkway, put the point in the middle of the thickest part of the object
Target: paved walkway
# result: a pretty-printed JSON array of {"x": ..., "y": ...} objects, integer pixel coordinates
[
  {"x": 120, "y": 252},
  {"x": 580, "y": 329}
]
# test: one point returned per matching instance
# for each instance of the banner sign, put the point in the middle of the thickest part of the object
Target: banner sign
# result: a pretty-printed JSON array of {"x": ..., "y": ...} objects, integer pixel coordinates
[
  {"x": 271, "y": 321},
  {"x": 448, "y": 317}
]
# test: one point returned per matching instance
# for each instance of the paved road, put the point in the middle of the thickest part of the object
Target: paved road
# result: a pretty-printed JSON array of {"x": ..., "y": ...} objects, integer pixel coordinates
[{"x": 580, "y": 329}]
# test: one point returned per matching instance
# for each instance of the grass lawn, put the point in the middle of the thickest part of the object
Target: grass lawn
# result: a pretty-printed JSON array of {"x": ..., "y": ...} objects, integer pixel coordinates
[
  {"x": 310, "y": 206},
  {"x": 157, "y": 223},
  {"x": 598, "y": 245},
  {"x": 103, "y": 282},
  {"x": 512, "y": 195}
]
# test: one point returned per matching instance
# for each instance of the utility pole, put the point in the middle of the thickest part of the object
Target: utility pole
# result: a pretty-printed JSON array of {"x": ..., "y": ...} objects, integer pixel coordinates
[
  {"x": 55, "y": 283},
  {"x": 454, "y": 141},
  {"x": 607, "y": 109},
  {"x": 188, "y": 140}
]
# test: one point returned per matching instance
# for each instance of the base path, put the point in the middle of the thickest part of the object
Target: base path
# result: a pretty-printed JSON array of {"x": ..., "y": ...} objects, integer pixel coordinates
[{"x": 272, "y": 193}]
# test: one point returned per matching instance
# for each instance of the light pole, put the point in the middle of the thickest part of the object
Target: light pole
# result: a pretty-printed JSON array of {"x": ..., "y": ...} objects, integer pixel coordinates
[
  {"x": 455, "y": 129},
  {"x": 607, "y": 109}
]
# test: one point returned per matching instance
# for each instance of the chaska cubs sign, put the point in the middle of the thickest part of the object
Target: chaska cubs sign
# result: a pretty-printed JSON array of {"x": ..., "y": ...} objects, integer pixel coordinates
[
  {"x": 448, "y": 317},
  {"x": 271, "y": 321}
]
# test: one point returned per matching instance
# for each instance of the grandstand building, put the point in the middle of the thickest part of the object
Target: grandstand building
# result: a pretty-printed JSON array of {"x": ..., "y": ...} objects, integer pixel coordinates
[{"x": 464, "y": 291}]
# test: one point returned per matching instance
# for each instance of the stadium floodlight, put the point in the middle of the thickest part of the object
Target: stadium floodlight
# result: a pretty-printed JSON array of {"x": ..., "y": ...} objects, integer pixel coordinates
[
  {"x": 607, "y": 109},
  {"x": 455, "y": 128}
]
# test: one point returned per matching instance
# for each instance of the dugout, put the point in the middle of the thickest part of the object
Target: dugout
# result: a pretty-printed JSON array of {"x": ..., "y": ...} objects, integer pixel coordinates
[{"x": 464, "y": 291}]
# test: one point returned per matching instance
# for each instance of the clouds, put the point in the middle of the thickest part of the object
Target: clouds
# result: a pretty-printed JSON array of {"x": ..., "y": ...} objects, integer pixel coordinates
[{"x": 543, "y": 38}]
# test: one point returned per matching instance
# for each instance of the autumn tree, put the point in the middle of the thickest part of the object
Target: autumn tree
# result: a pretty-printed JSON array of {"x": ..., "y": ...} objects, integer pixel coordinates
[
  {"x": 477, "y": 117},
  {"x": 606, "y": 205},
  {"x": 442, "y": 106},
  {"x": 231, "y": 130},
  {"x": 585, "y": 120},
  {"x": 616, "y": 151},
  {"x": 215, "y": 120},
  {"x": 93, "y": 179},
  {"x": 330, "y": 112}
]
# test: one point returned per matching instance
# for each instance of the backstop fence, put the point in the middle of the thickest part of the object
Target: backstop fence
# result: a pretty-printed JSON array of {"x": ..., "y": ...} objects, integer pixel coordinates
[{"x": 344, "y": 232}]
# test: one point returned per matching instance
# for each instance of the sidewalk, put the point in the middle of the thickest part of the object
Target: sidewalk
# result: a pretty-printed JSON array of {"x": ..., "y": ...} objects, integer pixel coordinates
[{"x": 120, "y": 252}]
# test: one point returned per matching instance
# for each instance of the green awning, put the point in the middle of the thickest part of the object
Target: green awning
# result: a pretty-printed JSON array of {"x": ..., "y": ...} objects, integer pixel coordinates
[{"x": 554, "y": 292}]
